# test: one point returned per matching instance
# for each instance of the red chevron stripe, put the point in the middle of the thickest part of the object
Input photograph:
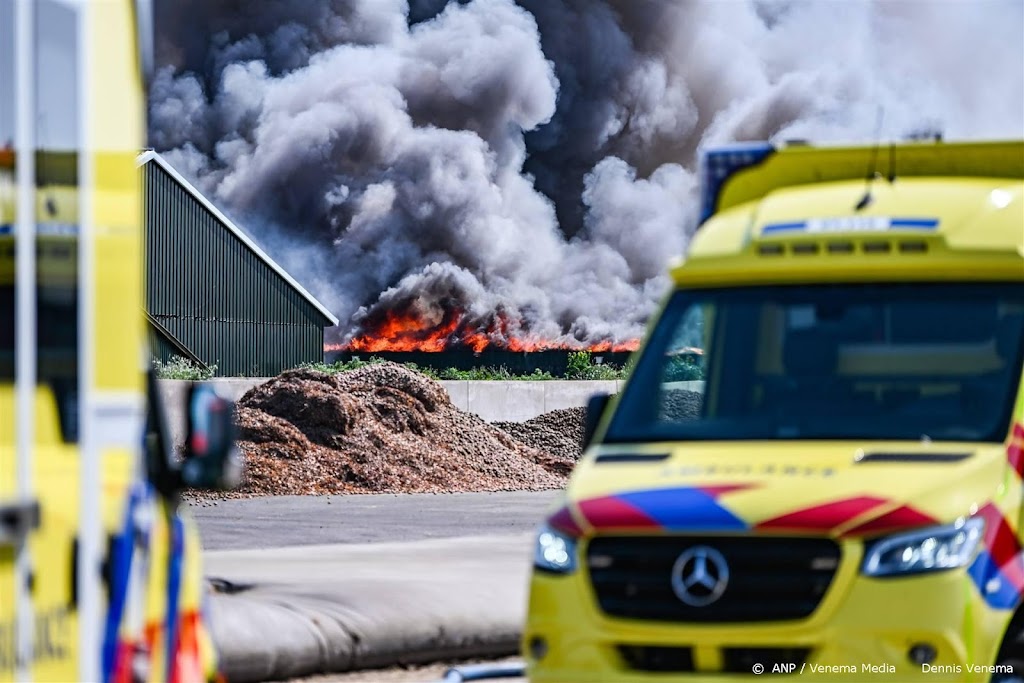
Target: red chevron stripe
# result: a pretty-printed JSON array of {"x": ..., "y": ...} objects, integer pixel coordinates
[
  {"x": 563, "y": 521},
  {"x": 613, "y": 513},
  {"x": 1002, "y": 545},
  {"x": 1015, "y": 451},
  {"x": 903, "y": 517},
  {"x": 1000, "y": 539},
  {"x": 824, "y": 517},
  {"x": 186, "y": 661},
  {"x": 1014, "y": 572},
  {"x": 123, "y": 662}
]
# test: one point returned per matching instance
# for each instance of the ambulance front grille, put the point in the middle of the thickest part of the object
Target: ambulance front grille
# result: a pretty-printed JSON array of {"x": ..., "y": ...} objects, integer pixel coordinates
[{"x": 769, "y": 578}]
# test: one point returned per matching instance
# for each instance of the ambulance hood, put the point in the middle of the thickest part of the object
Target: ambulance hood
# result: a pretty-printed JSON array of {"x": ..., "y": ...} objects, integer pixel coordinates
[{"x": 787, "y": 488}]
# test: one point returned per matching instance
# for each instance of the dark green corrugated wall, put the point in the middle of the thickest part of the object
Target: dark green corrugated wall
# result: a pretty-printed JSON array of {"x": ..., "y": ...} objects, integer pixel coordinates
[{"x": 215, "y": 295}]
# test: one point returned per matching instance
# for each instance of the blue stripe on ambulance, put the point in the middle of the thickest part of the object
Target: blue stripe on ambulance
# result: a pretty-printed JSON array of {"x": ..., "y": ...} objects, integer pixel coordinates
[
  {"x": 997, "y": 589},
  {"x": 174, "y": 562},
  {"x": 684, "y": 509},
  {"x": 837, "y": 224}
]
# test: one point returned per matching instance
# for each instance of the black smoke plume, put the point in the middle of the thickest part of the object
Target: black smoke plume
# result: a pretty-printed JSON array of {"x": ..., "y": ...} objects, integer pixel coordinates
[{"x": 537, "y": 158}]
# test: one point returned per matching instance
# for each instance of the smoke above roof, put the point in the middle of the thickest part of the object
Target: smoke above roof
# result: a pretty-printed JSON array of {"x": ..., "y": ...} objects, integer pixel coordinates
[{"x": 527, "y": 169}]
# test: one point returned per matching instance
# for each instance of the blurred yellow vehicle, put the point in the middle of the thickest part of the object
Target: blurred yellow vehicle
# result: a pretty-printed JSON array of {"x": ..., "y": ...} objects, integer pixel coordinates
[
  {"x": 100, "y": 576},
  {"x": 832, "y": 489}
]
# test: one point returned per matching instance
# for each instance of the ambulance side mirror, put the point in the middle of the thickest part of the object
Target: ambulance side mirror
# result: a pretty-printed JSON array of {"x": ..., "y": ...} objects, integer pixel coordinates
[
  {"x": 595, "y": 409},
  {"x": 212, "y": 460}
]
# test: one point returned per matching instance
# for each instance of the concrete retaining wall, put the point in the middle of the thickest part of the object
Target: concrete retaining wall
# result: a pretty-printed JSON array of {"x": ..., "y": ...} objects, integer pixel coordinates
[
  {"x": 516, "y": 401},
  {"x": 508, "y": 401}
]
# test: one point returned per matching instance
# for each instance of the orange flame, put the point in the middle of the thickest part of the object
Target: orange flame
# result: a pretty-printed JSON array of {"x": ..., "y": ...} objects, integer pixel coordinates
[{"x": 404, "y": 331}]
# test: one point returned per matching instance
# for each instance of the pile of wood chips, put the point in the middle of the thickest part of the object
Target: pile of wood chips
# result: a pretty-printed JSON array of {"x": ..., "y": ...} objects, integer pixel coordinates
[{"x": 378, "y": 429}]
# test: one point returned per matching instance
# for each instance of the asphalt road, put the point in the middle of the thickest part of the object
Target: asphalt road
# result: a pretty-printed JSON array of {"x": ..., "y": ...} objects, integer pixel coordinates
[
  {"x": 429, "y": 673},
  {"x": 278, "y": 521}
]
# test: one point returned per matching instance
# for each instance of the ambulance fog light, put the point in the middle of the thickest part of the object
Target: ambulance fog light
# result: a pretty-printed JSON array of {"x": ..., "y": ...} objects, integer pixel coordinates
[
  {"x": 538, "y": 648},
  {"x": 554, "y": 551},
  {"x": 929, "y": 550},
  {"x": 922, "y": 653}
]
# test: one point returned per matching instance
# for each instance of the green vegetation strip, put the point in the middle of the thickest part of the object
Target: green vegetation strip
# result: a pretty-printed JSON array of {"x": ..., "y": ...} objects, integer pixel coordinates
[
  {"x": 581, "y": 367},
  {"x": 177, "y": 367}
]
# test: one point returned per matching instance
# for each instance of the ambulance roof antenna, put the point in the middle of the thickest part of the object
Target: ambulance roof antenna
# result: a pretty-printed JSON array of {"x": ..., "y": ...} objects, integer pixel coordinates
[{"x": 872, "y": 172}]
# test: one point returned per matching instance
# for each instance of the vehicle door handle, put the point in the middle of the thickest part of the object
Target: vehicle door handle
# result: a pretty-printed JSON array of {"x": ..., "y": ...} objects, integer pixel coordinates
[{"x": 17, "y": 519}]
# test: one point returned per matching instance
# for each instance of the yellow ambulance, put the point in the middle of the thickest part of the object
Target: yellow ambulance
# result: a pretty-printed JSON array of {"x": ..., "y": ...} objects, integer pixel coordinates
[
  {"x": 834, "y": 492},
  {"x": 99, "y": 573}
]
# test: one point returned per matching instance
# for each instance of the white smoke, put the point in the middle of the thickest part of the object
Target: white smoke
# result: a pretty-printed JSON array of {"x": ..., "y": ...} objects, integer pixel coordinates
[{"x": 537, "y": 159}]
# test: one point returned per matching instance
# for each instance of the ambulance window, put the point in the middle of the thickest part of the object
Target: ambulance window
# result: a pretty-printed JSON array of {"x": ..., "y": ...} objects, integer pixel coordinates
[
  {"x": 6, "y": 191},
  {"x": 56, "y": 133},
  {"x": 885, "y": 361},
  {"x": 6, "y": 74},
  {"x": 56, "y": 106},
  {"x": 681, "y": 378}
]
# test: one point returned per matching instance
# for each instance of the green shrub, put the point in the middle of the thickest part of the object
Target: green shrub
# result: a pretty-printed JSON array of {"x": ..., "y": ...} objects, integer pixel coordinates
[
  {"x": 683, "y": 369},
  {"x": 583, "y": 366},
  {"x": 177, "y": 367},
  {"x": 606, "y": 372},
  {"x": 578, "y": 366}
]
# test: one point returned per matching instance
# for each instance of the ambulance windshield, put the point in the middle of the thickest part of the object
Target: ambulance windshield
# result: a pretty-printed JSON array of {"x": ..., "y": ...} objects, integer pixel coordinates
[{"x": 858, "y": 361}]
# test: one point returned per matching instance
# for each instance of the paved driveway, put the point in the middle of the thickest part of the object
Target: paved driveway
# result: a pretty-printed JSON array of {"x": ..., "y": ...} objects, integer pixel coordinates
[{"x": 278, "y": 521}]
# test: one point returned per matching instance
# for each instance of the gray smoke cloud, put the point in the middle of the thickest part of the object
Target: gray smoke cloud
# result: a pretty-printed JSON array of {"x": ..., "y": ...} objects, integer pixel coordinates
[{"x": 532, "y": 164}]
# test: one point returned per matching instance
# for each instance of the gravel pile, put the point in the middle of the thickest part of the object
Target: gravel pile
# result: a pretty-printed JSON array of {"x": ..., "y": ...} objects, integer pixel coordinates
[
  {"x": 559, "y": 433},
  {"x": 680, "y": 405},
  {"x": 380, "y": 428}
]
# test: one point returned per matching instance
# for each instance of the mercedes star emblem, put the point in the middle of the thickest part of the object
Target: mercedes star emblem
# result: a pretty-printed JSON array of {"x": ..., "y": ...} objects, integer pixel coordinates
[{"x": 699, "y": 576}]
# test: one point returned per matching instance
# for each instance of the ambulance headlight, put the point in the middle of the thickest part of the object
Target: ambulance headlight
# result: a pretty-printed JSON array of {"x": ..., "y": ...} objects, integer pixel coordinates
[
  {"x": 553, "y": 551},
  {"x": 930, "y": 550}
]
